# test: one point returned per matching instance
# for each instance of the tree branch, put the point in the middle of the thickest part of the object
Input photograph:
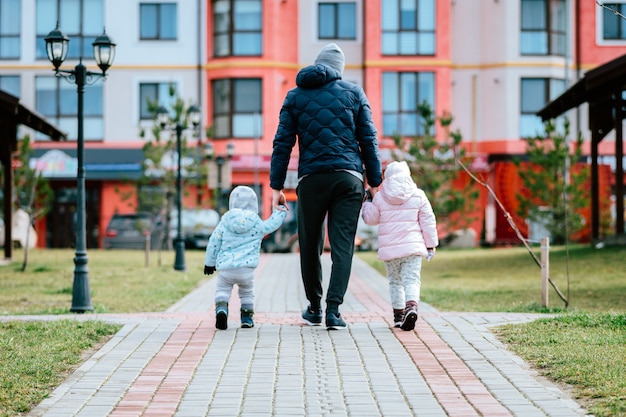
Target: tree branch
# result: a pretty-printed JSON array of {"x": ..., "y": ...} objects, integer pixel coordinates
[{"x": 612, "y": 10}]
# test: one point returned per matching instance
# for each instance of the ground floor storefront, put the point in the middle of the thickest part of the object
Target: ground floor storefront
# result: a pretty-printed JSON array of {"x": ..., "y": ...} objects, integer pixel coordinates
[{"x": 110, "y": 187}]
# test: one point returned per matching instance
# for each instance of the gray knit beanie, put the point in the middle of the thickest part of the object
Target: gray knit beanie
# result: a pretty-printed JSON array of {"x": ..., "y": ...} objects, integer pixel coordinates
[{"x": 332, "y": 55}]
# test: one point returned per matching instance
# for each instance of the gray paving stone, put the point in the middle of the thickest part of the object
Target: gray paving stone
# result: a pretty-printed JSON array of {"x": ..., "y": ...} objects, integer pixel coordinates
[{"x": 281, "y": 368}]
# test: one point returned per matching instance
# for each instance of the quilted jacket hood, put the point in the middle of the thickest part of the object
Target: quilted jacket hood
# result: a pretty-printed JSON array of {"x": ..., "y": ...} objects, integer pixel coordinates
[
  {"x": 331, "y": 121},
  {"x": 315, "y": 76}
]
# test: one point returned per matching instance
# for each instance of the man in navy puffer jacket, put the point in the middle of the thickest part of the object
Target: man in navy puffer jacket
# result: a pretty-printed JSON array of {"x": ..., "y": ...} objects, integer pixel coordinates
[{"x": 331, "y": 121}]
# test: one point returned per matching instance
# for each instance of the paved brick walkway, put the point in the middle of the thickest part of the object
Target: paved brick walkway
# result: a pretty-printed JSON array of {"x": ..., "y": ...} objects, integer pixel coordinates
[{"x": 176, "y": 364}]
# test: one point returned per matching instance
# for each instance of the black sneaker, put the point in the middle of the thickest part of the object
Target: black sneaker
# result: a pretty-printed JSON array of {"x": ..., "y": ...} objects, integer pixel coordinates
[
  {"x": 409, "y": 320},
  {"x": 221, "y": 315},
  {"x": 312, "y": 317},
  {"x": 334, "y": 321}
]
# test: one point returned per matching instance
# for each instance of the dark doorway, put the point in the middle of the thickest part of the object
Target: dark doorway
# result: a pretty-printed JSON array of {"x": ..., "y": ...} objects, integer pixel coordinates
[{"x": 61, "y": 219}]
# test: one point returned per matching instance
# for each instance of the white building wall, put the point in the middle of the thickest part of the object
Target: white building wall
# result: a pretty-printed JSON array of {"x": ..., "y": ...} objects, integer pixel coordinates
[
  {"x": 136, "y": 61},
  {"x": 139, "y": 61},
  {"x": 488, "y": 68}
]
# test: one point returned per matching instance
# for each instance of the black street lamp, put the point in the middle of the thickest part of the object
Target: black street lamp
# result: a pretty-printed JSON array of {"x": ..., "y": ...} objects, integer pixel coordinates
[
  {"x": 104, "y": 53},
  {"x": 163, "y": 118},
  {"x": 209, "y": 153}
]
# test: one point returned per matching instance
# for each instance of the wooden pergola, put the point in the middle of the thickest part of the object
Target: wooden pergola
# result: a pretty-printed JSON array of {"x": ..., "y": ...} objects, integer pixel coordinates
[
  {"x": 12, "y": 114},
  {"x": 603, "y": 89}
]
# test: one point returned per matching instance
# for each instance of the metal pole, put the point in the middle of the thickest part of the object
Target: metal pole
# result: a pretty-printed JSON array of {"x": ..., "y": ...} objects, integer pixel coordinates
[
  {"x": 219, "y": 161},
  {"x": 81, "y": 299},
  {"x": 179, "y": 243}
]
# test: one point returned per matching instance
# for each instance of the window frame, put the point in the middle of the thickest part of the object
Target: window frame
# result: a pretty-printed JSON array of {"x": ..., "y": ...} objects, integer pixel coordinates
[
  {"x": 400, "y": 110},
  {"x": 601, "y": 23},
  {"x": 166, "y": 100},
  {"x": 11, "y": 35},
  {"x": 93, "y": 113},
  {"x": 3, "y": 84},
  {"x": 84, "y": 37},
  {"x": 402, "y": 33},
  {"x": 551, "y": 90},
  {"x": 338, "y": 19},
  {"x": 230, "y": 33},
  {"x": 551, "y": 33},
  {"x": 230, "y": 114},
  {"x": 159, "y": 20}
]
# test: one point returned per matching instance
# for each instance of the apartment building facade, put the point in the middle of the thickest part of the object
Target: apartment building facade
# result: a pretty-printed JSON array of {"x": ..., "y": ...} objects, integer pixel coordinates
[{"x": 491, "y": 63}]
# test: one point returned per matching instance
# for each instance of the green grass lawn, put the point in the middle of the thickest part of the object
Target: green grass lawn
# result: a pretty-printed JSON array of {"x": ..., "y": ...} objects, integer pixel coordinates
[
  {"x": 35, "y": 357},
  {"x": 508, "y": 279},
  {"x": 584, "y": 351},
  {"x": 119, "y": 281},
  {"x": 583, "y": 346}
]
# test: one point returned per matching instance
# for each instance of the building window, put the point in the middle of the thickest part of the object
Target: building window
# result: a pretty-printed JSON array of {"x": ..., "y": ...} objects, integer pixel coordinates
[
  {"x": 237, "y": 28},
  {"x": 57, "y": 100},
  {"x": 535, "y": 94},
  {"x": 402, "y": 92},
  {"x": 10, "y": 29},
  {"x": 614, "y": 26},
  {"x": 543, "y": 27},
  {"x": 236, "y": 108},
  {"x": 153, "y": 95},
  {"x": 337, "y": 20},
  {"x": 82, "y": 21},
  {"x": 408, "y": 27},
  {"x": 10, "y": 84},
  {"x": 157, "y": 21}
]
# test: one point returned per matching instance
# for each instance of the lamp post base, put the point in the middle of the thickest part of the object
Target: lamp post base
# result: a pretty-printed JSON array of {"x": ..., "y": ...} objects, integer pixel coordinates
[
  {"x": 81, "y": 298},
  {"x": 179, "y": 260}
]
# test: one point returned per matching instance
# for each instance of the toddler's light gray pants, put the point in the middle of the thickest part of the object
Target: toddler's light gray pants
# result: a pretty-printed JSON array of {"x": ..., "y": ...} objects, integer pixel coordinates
[{"x": 242, "y": 277}]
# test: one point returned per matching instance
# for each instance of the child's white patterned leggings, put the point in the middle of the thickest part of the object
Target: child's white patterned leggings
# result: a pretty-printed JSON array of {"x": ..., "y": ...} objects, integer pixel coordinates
[{"x": 404, "y": 275}]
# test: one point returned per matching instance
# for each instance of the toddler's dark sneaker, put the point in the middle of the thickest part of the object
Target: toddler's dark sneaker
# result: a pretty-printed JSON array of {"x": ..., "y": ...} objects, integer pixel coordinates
[
  {"x": 410, "y": 316},
  {"x": 398, "y": 317},
  {"x": 334, "y": 321},
  {"x": 312, "y": 317},
  {"x": 221, "y": 315},
  {"x": 246, "y": 318}
]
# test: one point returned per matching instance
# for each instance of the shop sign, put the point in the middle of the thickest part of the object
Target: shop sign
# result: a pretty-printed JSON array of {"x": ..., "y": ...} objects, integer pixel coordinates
[{"x": 55, "y": 163}]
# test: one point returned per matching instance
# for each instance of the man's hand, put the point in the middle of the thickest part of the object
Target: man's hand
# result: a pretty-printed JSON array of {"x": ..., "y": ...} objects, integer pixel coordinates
[
  {"x": 208, "y": 270},
  {"x": 373, "y": 191},
  {"x": 279, "y": 199}
]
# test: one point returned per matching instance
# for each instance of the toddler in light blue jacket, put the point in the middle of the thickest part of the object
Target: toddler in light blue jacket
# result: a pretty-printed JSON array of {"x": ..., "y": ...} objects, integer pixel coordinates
[{"x": 234, "y": 250}]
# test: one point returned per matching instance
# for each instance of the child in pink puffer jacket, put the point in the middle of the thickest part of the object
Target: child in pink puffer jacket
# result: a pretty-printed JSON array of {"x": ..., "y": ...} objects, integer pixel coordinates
[{"x": 407, "y": 232}]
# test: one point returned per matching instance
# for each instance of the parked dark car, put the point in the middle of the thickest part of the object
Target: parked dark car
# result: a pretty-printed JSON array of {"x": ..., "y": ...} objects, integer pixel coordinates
[
  {"x": 285, "y": 239},
  {"x": 130, "y": 231},
  {"x": 197, "y": 226}
]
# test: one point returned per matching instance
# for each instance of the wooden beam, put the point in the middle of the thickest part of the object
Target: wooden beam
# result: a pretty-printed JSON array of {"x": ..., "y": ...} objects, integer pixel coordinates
[
  {"x": 619, "y": 168},
  {"x": 595, "y": 199},
  {"x": 6, "y": 133}
]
